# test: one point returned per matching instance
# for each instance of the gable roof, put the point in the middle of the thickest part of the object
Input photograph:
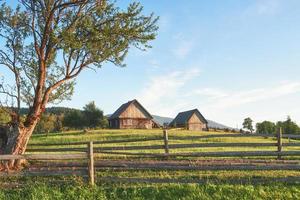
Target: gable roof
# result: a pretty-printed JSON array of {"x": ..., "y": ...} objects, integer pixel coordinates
[
  {"x": 124, "y": 106},
  {"x": 183, "y": 117}
]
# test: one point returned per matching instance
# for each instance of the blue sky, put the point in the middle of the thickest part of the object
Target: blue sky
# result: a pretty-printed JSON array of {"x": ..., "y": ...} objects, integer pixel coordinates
[{"x": 230, "y": 59}]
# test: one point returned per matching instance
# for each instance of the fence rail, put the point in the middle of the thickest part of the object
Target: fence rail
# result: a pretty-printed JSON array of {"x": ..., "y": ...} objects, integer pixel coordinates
[{"x": 83, "y": 161}]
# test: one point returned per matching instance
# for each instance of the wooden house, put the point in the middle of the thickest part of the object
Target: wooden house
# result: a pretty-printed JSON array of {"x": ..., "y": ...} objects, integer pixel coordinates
[
  {"x": 131, "y": 115},
  {"x": 190, "y": 120}
]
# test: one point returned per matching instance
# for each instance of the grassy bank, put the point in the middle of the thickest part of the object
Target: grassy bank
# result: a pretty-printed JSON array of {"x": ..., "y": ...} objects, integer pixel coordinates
[{"x": 167, "y": 191}]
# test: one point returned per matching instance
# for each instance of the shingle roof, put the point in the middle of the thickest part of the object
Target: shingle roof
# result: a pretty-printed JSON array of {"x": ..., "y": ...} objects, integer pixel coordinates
[
  {"x": 124, "y": 106},
  {"x": 183, "y": 117}
]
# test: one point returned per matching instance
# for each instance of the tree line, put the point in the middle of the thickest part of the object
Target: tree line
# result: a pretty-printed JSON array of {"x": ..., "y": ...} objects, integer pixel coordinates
[
  {"x": 57, "y": 119},
  {"x": 267, "y": 127}
]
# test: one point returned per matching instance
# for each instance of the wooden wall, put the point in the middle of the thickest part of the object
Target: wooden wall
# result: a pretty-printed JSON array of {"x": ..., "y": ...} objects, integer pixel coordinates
[
  {"x": 132, "y": 112},
  {"x": 132, "y": 118},
  {"x": 129, "y": 123},
  {"x": 195, "y": 124}
]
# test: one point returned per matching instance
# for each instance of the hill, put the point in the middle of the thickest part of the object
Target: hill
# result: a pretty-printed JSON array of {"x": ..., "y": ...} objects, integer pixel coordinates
[{"x": 51, "y": 110}]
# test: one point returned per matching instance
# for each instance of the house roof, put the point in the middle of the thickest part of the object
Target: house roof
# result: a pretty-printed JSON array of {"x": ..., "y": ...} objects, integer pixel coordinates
[
  {"x": 156, "y": 122},
  {"x": 183, "y": 117},
  {"x": 124, "y": 106}
]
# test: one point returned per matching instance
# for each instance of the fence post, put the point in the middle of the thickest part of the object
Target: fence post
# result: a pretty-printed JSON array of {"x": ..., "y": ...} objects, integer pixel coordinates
[
  {"x": 91, "y": 164},
  {"x": 279, "y": 142},
  {"x": 166, "y": 141}
]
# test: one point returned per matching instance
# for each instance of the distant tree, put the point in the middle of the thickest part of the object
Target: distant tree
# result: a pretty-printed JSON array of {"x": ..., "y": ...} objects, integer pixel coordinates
[
  {"x": 266, "y": 127},
  {"x": 74, "y": 119},
  {"x": 93, "y": 115},
  {"x": 288, "y": 126},
  {"x": 58, "y": 126},
  {"x": 4, "y": 117},
  {"x": 247, "y": 124},
  {"x": 46, "y": 124},
  {"x": 104, "y": 122}
]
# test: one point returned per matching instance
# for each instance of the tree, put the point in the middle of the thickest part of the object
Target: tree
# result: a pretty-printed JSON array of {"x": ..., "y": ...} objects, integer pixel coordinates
[
  {"x": 38, "y": 34},
  {"x": 93, "y": 115},
  {"x": 266, "y": 127},
  {"x": 288, "y": 126},
  {"x": 247, "y": 124},
  {"x": 74, "y": 119},
  {"x": 4, "y": 117},
  {"x": 58, "y": 125},
  {"x": 46, "y": 124}
]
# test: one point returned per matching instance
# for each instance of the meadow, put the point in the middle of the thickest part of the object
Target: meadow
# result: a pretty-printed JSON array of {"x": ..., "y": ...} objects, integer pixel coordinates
[{"x": 217, "y": 184}]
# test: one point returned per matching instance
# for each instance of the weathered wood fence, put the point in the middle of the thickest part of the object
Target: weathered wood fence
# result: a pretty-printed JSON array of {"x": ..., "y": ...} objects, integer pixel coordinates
[{"x": 85, "y": 161}]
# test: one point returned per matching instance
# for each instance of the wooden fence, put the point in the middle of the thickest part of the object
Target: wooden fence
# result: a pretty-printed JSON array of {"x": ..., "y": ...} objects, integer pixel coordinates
[{"x": 85, "y": 162}]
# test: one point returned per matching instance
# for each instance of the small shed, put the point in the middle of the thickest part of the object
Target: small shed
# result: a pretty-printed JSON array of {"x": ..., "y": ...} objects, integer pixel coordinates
[
  {"x": 131, "y": 115},
  {"x": 190, "y": 120}
]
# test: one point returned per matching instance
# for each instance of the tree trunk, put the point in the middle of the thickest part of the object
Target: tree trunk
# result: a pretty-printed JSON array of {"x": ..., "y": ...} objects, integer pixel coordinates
[{"x": 14, "y": 142}]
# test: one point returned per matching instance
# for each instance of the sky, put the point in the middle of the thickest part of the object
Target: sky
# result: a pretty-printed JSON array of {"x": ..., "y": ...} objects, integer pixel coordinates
[{"x": 230, "y": 59}]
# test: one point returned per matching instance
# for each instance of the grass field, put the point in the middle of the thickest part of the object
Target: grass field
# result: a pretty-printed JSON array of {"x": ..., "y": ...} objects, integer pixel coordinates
[
  {"x": 46, "y": 188},
  {"x": 39, "y": 191}
]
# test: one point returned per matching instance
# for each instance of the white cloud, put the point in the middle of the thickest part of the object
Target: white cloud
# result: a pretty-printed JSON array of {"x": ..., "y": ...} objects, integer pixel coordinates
[
  {"x": 233, "y": 99},
  {"x": 165, "y": 89},
  {"x": 211, "y": 93}
]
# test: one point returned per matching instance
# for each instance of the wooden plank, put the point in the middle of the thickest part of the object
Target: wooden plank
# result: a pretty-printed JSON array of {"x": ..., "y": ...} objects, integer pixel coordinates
[
  {"x": 205, "y": 168},
  {"x": 81, "y": 149},
  {"x": 211, "y": 154},
  {"x": 116, "y": 162},
  {"x": 202, "y": 145},
  {"x": 279, "y": 142},
  {"x": 219, "y": 136},
  {"x": 291, "y": 144},
  {"x": 91, "y": 164},
  {"x": 170, "y": 146},
  {"x": 292, "y": 136},
  {"x": 44, "y": 173},
  {"x": 44, "y": 157},
  {"x": 166, "y": 142},
  {"x": 47, "y": 164},
  {"x": 200, "y": 181},
  {"x": 99, "y": 142}
]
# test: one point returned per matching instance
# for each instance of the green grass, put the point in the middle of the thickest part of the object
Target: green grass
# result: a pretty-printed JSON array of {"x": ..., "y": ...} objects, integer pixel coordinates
[
  {"x": 78, "y": 191},
  {"x": 48, "y": 188}
]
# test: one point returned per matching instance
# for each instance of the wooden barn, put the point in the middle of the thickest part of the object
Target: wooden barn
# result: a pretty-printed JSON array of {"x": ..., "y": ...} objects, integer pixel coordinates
[
  {"x": 190, "y": 120},
  {"x": 131, "y": 115}
]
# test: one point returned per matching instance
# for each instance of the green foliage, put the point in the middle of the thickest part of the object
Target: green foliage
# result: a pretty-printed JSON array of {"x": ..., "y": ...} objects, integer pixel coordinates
[
  {"x": 4, "y": 117},
  {"x": 49, "y": 123},
  {"x": 93, "y": 116},
  {"x": 288, "y": 126},
  {"x": 266, "y": 127},
  {"x": 90, "y": 117},
  {"x": 247, "y": 124},
  {"x": 74, "y": 119}
]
